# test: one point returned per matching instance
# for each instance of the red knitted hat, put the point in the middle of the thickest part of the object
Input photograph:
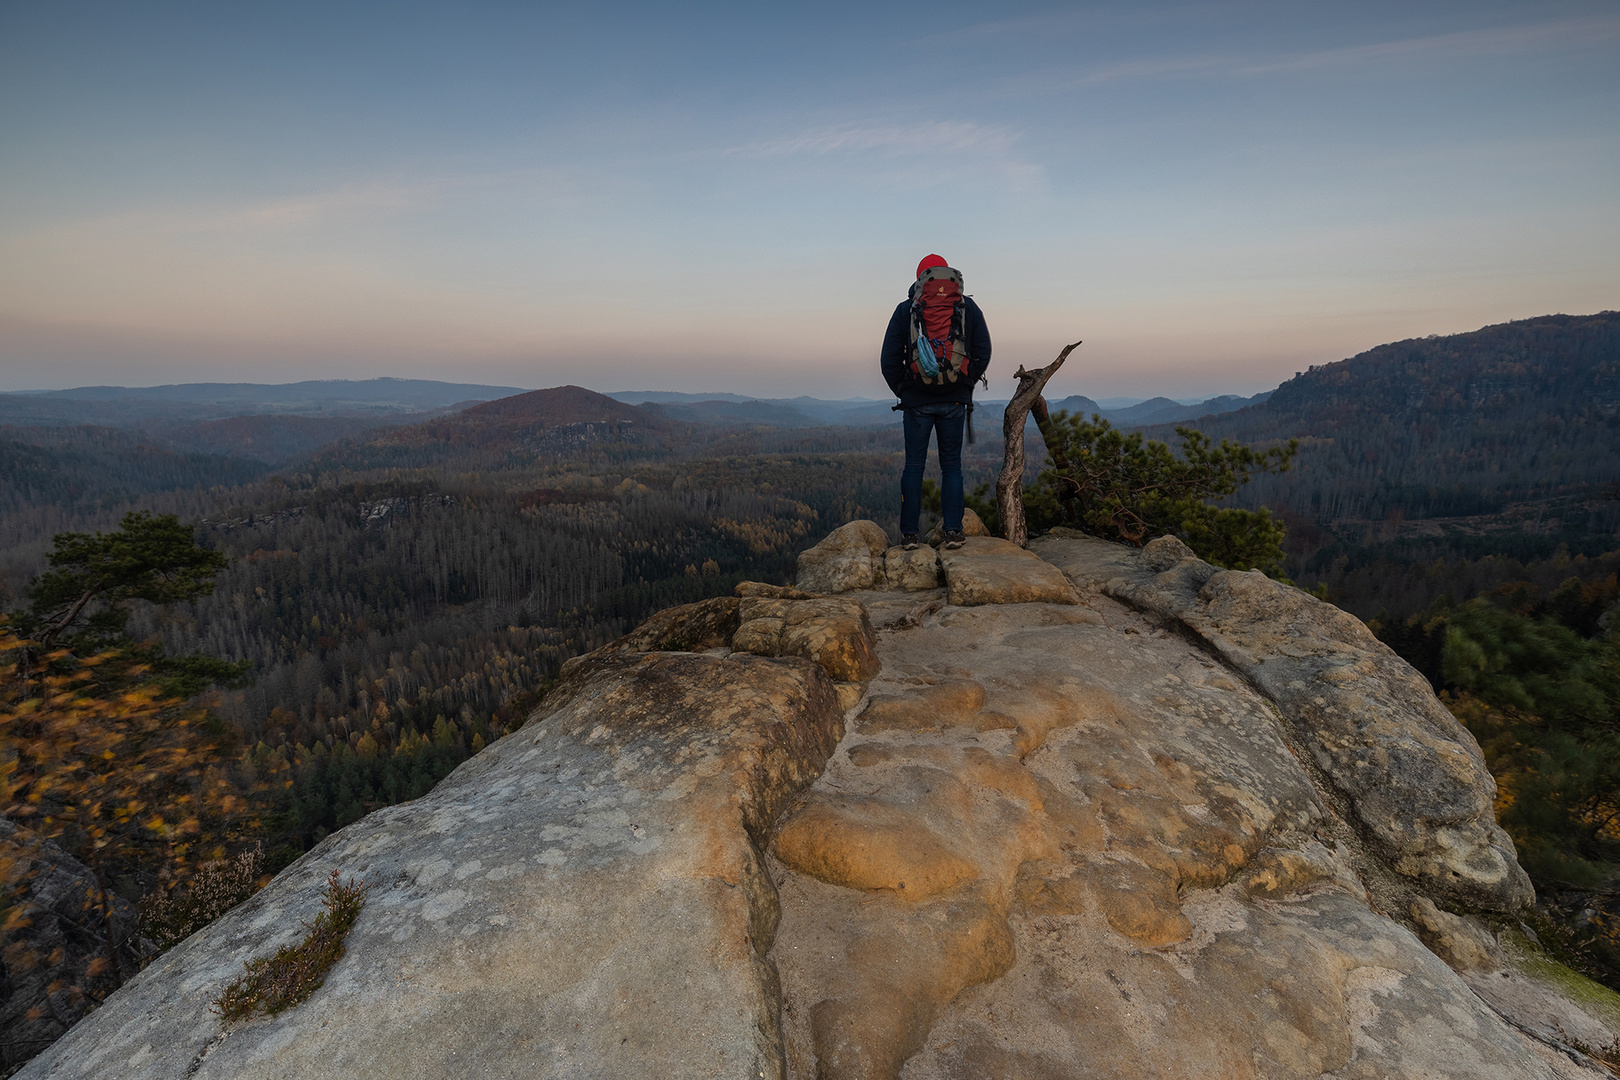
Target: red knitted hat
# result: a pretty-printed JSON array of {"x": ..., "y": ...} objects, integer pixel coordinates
[{"x": 929, "y": 262}]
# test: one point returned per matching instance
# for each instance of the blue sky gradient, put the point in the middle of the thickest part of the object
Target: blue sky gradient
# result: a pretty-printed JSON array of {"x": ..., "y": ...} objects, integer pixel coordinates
[{"x": 1212, "y": 195}]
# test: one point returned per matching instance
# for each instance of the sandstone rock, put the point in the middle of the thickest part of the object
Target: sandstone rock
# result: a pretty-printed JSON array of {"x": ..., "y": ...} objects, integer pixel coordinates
[
  {"x": 1278, "y": 872},
  {"x": 988, "y": 570},
  {"x": 951, "y": 701},
  {"x": 1568, "y": 1013},
  {"x": 1413, "y": 777},
  {"x": 583, "y": 898},
  {"x": 55, "y": 964},
  {"x": 849, "y": 694},
  {"x": 1165, "y": 552},
  {"x": 766, "y": 620},
  {"x": 972, "y": 525},
  {"x": 870, "y": 844},
  {"x": 1124, "y": 881},
  {"x": 770, "y": 592},
  {"x": 1460, "y": 943},
  {"x": 833, "y": 631},
  {"x": 1317, "y": 988},
  {"x": 850, "y": 557},
  {"x": 1107, "y": 796},
  {"x": 901, "y": 971},
  {"x": 911, "y": 570},
  {"x": 706, "y": 624},
  {"x": 1081, "y": 839}
]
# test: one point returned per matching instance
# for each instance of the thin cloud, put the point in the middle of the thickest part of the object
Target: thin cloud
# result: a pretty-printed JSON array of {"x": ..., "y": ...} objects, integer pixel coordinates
[
  {"x": 1493, "y": 41},
  {"x": 1461, "y": 45},
  {"x": 931, "y": 137},
  {"x": 319, "y": 206}
]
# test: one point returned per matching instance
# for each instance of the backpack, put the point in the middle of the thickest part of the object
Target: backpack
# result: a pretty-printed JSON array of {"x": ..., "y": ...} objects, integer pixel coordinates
[{"x": 938, "y": 369}]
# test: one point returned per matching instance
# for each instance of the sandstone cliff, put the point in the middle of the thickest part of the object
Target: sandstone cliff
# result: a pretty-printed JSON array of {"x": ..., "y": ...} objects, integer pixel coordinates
[{"x": 1078, "y": 811}]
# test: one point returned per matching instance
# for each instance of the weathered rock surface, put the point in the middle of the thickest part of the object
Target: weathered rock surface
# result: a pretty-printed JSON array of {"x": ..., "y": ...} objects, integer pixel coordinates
[
  {"x": 850, "y": 557},
  {"x": 1104, "y": 835},
  {"x": 57, "y": 927},
  {"x": 989, "y": 570},
  {"x": 707, "y": 624},
  {"x": 584, "y": 898},
  {"x": 912, "y": 570},
  {"x": 765, "y": 620},
  {"x": 972, "y": 525},
  {"x": 1414, "y": 779},
  {"x": 1061, "y": 841},
  {"x": 832, "y": 631}
]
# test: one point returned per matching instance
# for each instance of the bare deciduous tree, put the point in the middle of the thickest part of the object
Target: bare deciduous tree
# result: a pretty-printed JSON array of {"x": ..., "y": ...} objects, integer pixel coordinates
[{"x": 1010, "y": 484}]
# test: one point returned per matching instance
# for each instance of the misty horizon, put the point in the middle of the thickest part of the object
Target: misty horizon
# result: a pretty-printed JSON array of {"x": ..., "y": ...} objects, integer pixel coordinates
[
  {"x": 1212, "y": 196},
  {"x": 630, "y": 396}
]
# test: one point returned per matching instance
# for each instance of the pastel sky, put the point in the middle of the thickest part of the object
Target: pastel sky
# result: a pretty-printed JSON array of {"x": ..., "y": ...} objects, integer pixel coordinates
[{"x": 1213, "y": 195}]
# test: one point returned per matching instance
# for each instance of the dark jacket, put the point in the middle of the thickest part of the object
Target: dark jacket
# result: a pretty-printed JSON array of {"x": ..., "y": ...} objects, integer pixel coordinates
[{"x": 896, "y": 352}]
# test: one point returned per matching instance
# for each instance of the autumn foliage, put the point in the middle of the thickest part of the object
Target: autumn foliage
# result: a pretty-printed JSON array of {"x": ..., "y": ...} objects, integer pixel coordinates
[
  {"x": 121, "y": 777},
  {"x": 110, "y": 772}
]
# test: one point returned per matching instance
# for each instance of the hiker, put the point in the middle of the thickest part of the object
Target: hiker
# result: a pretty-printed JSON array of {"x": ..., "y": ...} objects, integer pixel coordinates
[{"x": 937, "y": 347}]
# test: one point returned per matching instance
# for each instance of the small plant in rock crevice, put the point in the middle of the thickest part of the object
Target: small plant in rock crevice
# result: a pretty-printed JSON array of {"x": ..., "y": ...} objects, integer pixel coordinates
[{"x": 276, "y": 983}]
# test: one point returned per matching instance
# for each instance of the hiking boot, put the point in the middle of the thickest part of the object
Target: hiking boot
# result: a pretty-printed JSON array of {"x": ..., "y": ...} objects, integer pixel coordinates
[
  {"x": 954, "y": 539},
  {"x": 910, "y": 541}
]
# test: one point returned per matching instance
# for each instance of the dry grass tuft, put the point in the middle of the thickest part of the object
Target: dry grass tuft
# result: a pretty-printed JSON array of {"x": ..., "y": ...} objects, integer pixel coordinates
[{"x": 276, "y": 983}]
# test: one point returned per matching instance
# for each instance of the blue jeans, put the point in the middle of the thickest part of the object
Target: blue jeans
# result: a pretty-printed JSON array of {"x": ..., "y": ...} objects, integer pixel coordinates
[{"x": 944, "y": 418}]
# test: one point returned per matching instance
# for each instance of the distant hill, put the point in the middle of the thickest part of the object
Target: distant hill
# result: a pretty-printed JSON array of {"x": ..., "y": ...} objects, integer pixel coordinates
[
  {"x": 734, "y": 412},
  {"x": 800, "y": 411},
  {"x": 1159, "y": 410},
  {"x": 209, "y": 416},
  {"x": 129, "y": 406},
  {"x": 1521, "y": 415},
  {"x": 1076, "y": 404},
  {"x": 642, "y": 397},
  {"x": 80, "y": 469},
  {"x": 548, "y": 408},
  {"x": 1162, "y": 410},
  {"x": 722, "y": 408},
  {"x": 562, "y": 420}
]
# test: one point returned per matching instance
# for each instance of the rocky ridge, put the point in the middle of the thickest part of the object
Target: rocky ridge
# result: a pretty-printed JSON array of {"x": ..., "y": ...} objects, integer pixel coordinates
[{"x": 1076, "y": 811}]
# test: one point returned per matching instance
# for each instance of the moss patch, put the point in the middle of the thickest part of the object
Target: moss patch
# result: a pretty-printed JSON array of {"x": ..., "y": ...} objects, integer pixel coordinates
[
  {"x": 1531, "y": 959},
  {"x": 276, "y": 983}
]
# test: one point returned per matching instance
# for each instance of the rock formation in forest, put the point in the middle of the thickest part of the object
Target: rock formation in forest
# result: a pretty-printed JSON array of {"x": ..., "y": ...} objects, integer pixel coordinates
[{"x": 1073, "y": 811}]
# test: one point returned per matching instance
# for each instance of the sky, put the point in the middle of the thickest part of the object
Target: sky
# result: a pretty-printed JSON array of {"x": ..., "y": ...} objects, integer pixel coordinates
[{"x": 713, "y": 197}]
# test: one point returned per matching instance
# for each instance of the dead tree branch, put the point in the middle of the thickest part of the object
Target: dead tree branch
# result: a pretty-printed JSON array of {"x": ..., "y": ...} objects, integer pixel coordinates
[{"x": 1010, "y": 484}]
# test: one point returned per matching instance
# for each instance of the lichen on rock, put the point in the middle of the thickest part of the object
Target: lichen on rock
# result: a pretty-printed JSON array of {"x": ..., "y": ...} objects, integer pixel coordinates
[{"x": 913, "y": 570}]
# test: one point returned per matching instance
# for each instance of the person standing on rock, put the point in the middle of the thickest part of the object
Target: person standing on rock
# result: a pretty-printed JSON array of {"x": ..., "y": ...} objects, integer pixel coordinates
[{"x": 936, "y": 348}]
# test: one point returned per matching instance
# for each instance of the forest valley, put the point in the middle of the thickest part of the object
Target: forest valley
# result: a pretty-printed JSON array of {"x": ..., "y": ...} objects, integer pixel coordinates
[{"x": 209, "y": 664}]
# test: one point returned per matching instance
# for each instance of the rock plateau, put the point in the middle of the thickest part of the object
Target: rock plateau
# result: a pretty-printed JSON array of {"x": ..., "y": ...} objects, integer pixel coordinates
[{"x": 1080, "y": 811}]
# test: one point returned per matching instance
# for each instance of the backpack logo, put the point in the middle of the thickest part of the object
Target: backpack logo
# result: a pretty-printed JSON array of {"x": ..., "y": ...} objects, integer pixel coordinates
[{"x": 938, "y": 341}]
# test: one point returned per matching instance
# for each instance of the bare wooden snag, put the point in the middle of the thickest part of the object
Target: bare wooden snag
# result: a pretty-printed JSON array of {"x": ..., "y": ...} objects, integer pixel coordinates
[{"x": 1010, "y": 484}]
